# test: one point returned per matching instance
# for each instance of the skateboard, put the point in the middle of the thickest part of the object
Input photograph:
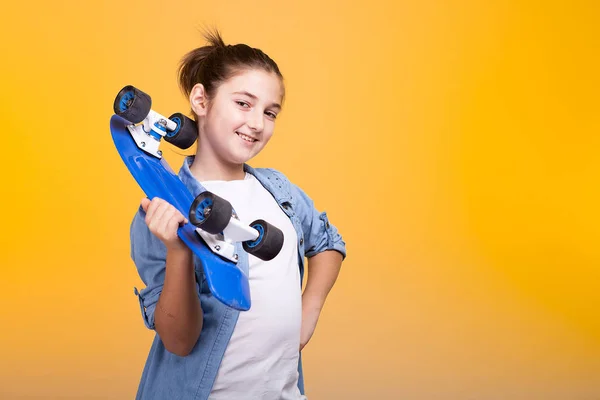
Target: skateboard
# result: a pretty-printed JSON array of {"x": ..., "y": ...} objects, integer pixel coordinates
[{"x": 214, "y": 227}]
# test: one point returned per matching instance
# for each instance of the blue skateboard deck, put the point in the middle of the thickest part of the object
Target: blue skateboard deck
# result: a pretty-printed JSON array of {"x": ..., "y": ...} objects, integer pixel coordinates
[{"x": 227, "y": 282}]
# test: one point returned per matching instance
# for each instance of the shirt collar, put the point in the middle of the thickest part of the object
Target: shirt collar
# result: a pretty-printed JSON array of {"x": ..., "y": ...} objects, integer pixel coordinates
[{"x": 282, "y": 196}]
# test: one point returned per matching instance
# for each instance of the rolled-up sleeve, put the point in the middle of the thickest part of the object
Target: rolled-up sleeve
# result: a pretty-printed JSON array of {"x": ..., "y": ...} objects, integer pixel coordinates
[
  {"x": 319, "y": 233},
  {"x": 149, "y": 255}
]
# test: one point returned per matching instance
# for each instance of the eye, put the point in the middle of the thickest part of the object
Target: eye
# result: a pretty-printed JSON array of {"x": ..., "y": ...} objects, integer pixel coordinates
[
  {"x": 271, "y": 114},
  {"x": 242, "y": 103}
]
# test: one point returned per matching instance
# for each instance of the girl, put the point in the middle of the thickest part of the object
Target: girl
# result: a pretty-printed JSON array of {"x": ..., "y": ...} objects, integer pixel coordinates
[{"x": 203, "y": 349}]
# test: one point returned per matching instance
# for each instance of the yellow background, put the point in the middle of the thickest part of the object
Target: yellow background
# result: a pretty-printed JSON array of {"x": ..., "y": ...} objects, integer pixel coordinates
[{"x": 453, "y": 143}]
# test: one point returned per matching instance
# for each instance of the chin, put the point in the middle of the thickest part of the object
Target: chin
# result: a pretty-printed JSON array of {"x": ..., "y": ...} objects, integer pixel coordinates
[
  {"x": 241, "y": 159},
  {"x": 244, "y": 157}
]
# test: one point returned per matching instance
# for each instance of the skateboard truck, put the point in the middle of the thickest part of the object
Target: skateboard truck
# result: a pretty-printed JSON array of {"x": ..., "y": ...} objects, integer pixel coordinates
[
  {"x": 218, "y": 224},
  {"x": 147, "y": 135},
  {"x": 224, "y": 243},
  {"x": 136, "y": 106}
]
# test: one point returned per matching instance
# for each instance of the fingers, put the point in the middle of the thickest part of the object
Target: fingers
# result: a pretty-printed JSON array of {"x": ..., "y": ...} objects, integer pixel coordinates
[
  {"x": 155, "y": 209},
  {"x": 145, "y": 204},
  {"x": 163, "y": 219},
  {"x": 166, "y": 221},
  {"x": 158, "y": 215},
  {"x": 151, "y": 208},
  {"x": 163, "y": 211},
  {"x": 173, "y": 222}
]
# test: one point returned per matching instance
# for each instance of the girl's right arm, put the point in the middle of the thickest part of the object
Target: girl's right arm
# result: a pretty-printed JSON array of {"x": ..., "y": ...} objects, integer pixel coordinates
[{"x": 178, "y": 315}]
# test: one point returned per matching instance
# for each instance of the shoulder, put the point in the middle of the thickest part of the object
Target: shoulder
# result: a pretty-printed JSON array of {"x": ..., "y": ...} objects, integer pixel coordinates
[
  {"x": 279, "y": 182},
  {"x": 286, "y": 190},
  {"x": 269, "y": 173},
  {"x": 274, "y": 181}
]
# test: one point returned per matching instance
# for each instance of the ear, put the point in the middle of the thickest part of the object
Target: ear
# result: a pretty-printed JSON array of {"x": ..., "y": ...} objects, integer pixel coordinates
[{"x": 198, "y": 100}]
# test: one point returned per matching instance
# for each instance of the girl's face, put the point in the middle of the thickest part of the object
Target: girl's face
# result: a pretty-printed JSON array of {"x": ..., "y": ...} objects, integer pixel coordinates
[{"x": 237, "y": 123}]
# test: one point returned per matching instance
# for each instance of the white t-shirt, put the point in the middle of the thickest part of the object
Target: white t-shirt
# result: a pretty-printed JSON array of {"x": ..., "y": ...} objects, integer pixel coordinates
[{"x": 261, "y": 359}]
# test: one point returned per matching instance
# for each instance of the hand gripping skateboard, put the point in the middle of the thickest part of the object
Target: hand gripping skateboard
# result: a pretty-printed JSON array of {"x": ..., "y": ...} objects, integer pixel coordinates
[{"x": 213, "y": 227}]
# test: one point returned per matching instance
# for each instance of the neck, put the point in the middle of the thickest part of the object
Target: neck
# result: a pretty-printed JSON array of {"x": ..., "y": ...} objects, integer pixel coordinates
[{"x": 206, "y": 168}]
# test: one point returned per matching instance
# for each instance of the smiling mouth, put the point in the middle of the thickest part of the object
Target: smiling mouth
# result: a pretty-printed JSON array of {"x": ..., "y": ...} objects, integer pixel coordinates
[{"x": 246, "y": 137}]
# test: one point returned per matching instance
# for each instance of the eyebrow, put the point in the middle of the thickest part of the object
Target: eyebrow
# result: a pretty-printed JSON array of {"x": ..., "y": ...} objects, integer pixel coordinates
[{"x": 245, "y": 93}]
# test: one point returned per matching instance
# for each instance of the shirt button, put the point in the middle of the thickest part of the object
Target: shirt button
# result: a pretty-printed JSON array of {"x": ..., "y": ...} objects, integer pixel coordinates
[{"x": 301, "y": 240}]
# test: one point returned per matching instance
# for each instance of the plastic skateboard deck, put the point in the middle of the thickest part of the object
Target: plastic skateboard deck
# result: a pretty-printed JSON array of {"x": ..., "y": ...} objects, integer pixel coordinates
[{"x": 227, "y": 282}]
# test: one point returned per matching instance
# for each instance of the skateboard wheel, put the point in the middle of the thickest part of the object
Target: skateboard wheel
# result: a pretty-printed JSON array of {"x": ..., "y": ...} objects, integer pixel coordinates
[
  {"x": 185, "y": 134},
  {"x": 132, "y": 104},
  {"x": 269, "y": 242},
  {"x": 210, "y": 212}
]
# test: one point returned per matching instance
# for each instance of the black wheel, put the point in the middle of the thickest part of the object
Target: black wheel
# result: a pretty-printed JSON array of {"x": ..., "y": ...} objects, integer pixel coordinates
[
  {"x": 132, "y": 104},
  {"x": 269, "y": 241},
  {"x": 210, "y": 212},
  {"x": 185, "y": 134}
]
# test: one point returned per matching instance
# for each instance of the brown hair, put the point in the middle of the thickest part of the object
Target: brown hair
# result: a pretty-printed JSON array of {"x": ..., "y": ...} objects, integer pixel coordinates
[{"x": 213, "y": 64}]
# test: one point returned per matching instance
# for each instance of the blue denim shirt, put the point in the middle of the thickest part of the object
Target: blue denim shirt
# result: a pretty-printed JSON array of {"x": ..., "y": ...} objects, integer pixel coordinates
[{"x": 167, "y": 376}]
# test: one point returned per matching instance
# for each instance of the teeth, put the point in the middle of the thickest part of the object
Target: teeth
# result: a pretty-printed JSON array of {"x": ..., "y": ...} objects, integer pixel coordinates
[{"x": 246, "y": 138}]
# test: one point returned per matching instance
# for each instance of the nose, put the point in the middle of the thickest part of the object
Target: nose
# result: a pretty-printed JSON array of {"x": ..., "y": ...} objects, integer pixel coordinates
[{"x": 255, "y": 122}]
